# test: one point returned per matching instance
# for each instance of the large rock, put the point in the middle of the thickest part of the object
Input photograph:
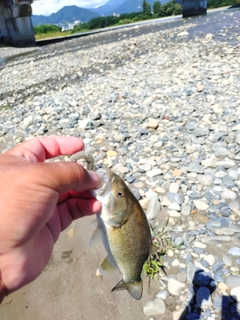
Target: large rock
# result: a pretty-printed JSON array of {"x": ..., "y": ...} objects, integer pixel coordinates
[
  {"x": 154, "y": 208},
  {"x": 175, "y": 286},
  {"x": 155, "y": 307}
]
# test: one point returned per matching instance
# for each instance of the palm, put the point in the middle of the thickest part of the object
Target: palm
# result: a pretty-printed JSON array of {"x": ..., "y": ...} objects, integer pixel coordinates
[
  {"x": 35, "y": 241},
  {"x": 34, "y": 257}
]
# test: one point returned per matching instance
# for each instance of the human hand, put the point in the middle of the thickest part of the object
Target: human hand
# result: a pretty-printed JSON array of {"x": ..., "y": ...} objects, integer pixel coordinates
[{"x": 38, "y": 200}]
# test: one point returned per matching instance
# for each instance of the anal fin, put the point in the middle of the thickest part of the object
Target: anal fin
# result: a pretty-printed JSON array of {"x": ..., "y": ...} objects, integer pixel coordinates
[{"x": 107, "y": 268}]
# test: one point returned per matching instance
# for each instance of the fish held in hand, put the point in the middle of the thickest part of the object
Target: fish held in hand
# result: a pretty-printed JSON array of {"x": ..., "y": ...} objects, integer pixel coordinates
[{"x": 125, "y": 233}]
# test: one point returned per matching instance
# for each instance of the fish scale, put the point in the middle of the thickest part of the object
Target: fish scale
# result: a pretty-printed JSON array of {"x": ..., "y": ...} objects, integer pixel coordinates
[{"x": 115, "y": 240}]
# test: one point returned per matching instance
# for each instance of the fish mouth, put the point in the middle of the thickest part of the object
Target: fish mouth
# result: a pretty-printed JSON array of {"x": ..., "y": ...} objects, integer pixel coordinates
[{"x": 105, "y": 182}]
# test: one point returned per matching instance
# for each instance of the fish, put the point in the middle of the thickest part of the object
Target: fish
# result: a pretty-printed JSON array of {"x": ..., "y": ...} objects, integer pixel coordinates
[{"x": 124, "y": 230}]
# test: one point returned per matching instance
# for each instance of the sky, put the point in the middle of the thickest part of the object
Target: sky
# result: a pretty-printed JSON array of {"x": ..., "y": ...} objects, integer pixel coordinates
[{"x": 46, "y": 7}]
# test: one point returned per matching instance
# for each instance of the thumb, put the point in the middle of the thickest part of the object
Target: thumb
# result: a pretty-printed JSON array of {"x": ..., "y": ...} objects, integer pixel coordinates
[{"x": 64, "y": 176}]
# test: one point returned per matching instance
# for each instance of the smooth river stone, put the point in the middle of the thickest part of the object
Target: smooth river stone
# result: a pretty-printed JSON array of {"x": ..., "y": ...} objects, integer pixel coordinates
[
  {"x": 224, "y": 232},
  {"x": 200, "y": 205},
  {"x": 227, "y": 260},
  {"x": 234, "y": 251},
  {"x": 153, "y": 308},
  {"x": 195, "y": 168},
  {"x": 174, "y": 187},
  {"x": 215, "y": 239},
  {"x": 154, "y": 172},
  {"x": 225, "y": 163},
  {"x": 233, "y": 281},
  {"x": 154, "y": 208},
  {"x": 175, "y": 286},
  {"x": 228, "y": 194}
]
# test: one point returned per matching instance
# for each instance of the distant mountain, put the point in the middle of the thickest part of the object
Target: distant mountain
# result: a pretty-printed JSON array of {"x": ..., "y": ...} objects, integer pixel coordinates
[
  {"x": 39, "y": 19},
  {"x": 67, "y": 14},
  {"x": 107, "y": 7},
  {"x": 129, "y": 6}
]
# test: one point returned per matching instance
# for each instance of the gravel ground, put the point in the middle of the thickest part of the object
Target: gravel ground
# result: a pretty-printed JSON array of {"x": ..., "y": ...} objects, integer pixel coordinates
[{"x": 160, "y": 104}]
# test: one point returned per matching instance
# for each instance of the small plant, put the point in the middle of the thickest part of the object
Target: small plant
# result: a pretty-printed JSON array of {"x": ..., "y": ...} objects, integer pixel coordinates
[
  {"x": 161, "y": 243},
  {"x": 235, "y": 271},
  {"x": 153, "y": 266}
]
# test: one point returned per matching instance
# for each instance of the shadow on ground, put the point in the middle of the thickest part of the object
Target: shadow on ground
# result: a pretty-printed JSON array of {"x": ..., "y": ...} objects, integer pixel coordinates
[{"x": 203, "y": 286}]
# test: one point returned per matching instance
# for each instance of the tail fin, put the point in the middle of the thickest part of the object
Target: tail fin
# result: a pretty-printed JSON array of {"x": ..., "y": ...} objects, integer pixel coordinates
[{"x": 134, "y": 288}]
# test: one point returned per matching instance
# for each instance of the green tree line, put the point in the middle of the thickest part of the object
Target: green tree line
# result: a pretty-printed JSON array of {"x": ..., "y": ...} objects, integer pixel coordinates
[
  {"x": 222, "y": 3},
  {"x": 158, "y": 10}
]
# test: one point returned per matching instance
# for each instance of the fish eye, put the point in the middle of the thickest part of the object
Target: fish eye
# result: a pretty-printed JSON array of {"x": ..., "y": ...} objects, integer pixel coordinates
[{"x": 120, "y": 194}]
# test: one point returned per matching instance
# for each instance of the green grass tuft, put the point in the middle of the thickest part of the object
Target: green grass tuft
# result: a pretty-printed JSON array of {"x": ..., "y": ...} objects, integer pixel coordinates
[{"x": 162, "y": 242}]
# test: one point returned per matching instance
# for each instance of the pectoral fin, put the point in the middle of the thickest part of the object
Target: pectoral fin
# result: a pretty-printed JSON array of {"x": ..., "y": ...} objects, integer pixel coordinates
[
  {"x": 93, "y": 223},
  {"x": 107, "y": 267},
  {"x": 95, "y": 238},
  {"x": 135, "y": 288}
]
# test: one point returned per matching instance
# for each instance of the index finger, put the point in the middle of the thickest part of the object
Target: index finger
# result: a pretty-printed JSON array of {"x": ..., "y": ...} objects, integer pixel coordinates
[{"x": 42, "y": 148}]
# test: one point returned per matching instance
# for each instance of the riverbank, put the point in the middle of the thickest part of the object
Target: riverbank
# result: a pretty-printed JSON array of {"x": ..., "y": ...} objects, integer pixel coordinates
[{"x": 160, "y": 104}]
